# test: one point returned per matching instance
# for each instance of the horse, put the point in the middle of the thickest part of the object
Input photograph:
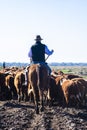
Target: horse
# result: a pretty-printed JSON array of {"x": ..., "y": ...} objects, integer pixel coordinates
[{"x": 39, "y": 82}]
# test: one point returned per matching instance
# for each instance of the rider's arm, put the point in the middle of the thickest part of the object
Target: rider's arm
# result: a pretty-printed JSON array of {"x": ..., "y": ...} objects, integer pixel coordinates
[
  {"x": 30, "y": 53},
  {"x": 47, "y": 51}
]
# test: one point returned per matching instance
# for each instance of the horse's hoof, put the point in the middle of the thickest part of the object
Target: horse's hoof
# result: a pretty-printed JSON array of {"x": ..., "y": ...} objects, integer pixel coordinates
[
  {"x": 19, "y": 100},
  {"x": 37, "y": 111},
  {"x": 42, "y": 109}
]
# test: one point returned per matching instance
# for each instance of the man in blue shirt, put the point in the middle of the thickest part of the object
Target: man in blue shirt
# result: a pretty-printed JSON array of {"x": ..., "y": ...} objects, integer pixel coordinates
[{"x": 37, "y": 53}]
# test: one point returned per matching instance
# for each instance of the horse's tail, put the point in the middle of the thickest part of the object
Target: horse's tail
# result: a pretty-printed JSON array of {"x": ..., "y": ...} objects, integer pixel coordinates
[{"x": 39, "y": 76}]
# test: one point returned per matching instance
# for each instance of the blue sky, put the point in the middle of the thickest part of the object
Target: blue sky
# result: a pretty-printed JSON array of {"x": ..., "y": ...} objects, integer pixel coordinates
[{"x": 61, "y": 23}]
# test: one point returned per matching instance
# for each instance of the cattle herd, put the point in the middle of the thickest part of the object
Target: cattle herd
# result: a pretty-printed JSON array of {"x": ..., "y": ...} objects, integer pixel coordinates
[{"x": 22, "y": 84}]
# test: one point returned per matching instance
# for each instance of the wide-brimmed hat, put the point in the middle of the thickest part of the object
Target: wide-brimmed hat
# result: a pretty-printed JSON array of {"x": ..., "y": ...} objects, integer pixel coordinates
[{"x": 38, "y": 37}]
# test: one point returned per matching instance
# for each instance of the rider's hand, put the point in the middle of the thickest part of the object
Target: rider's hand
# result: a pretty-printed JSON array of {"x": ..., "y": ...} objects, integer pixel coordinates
[{"x": 52, "y": 51}]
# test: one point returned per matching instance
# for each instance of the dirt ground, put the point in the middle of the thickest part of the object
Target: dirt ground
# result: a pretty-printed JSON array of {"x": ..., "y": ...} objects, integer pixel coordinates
[{"x": 21, "y": 116}]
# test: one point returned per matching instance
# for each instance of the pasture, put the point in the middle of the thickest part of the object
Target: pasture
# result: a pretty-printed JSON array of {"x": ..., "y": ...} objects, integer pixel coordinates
[{"x": 78, "y": 70}]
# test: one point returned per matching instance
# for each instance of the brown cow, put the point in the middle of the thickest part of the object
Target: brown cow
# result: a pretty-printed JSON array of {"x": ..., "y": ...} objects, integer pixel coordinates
[
  {"x": 21, "y": 85},
  {"x": 58, "y": 80},
  {"x": 53, "y": 92},
  {"x": 30, "y": 93},
  {"x": 71, "y": 93},
  {"x": 55, "y": 74},
  {"x": 74, "y": 91},
  {"x": 67, "y": 76},
  {"x": 9, "y": 82},
  {"x": 71, "y": 76},
  {"x": 82, "y": 85},
  {"x": 4, "y": 91},
  {"x": 38, "y": 79},
  {"x": 2, "y": 86}
]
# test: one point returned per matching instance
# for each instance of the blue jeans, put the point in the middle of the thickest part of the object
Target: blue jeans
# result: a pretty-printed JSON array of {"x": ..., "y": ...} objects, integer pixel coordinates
[{"x": 43, "y": 63}]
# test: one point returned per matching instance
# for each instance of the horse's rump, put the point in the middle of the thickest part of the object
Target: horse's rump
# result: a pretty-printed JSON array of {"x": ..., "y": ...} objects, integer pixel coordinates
[
  {"x": 38, "y": 74},
  {"x": 42, "y": 76}
]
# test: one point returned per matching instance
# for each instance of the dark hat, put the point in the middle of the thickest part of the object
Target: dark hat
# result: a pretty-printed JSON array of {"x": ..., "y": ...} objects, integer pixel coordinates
[{"x": 38, "y": 37}]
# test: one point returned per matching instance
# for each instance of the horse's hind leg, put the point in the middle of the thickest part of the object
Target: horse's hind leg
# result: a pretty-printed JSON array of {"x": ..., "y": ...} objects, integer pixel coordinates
[
  {"x": 41, "y": 100},
  {"x": 36, "y": 101}
]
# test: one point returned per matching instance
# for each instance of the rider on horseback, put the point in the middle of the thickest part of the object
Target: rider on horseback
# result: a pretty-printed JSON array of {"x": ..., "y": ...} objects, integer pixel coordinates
[{"x": 37, "y": 53}]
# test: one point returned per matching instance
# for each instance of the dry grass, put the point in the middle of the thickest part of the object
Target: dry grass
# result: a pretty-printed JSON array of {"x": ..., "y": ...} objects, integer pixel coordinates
[{"x": 78, "y": 70}]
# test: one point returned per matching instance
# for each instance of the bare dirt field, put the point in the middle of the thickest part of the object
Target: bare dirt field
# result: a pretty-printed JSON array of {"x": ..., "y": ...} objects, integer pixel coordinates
[{"x": 21, "y": 116}]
